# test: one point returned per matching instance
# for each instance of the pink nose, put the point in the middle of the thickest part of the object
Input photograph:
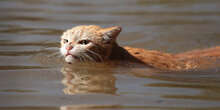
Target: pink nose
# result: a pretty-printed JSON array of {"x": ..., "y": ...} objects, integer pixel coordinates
[{"x": 69, "y": 47}]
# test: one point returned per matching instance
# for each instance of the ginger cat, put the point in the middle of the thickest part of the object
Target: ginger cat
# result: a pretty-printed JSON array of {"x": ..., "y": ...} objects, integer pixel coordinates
[{"x": 96, "y": 44}]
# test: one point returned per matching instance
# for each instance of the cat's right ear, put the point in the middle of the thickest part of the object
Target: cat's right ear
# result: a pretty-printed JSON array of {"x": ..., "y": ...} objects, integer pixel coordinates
[{"x": 110, "y": 34}]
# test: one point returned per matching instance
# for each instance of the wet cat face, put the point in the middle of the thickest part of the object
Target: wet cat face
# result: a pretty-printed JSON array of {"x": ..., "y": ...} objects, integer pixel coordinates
[{"x": 88, "y": 43}]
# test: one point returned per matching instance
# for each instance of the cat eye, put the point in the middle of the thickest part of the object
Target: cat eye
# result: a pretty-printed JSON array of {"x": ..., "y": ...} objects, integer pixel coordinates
[
  {"x": 84, "y": 42},
  {"x": 65, "y": 40}
]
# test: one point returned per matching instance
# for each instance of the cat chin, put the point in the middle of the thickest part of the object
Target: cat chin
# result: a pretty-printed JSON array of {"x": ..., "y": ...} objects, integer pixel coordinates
[{"x": 70, "y": 59}]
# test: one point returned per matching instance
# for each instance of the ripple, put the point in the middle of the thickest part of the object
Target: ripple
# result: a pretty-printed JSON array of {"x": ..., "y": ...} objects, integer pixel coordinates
[
  {"x": 46, "y": 44},
  {"x": 194, "y": 97},
  {"x": 167, "y": 13},
  {"x": 26, "y": 53},
  {"x": 38, "y": 31},
  {"x": 152, "y": 2},
  {"x": 23, "y": 18},
  {"x": 31, "y": 108},
  {"x": 174, "y": 85},
  {"x": 178, "y": 22},
  {"x": 18, "y": 90},
  {"x": 6, "y": 67}
]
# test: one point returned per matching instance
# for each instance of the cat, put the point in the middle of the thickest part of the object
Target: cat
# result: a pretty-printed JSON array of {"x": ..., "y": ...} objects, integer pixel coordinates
[{"x": 92, "y": 43}]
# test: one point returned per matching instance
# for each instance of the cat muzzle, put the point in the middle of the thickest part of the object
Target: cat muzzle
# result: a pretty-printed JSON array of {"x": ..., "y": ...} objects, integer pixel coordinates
[{"x": 69, "y": 58}]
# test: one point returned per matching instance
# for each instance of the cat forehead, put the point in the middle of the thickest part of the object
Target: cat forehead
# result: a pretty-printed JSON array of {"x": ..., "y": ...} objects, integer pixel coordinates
[{"x": 80, "y": 32}]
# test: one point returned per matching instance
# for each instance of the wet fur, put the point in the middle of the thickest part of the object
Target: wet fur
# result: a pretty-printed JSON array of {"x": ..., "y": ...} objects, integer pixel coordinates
[{"x": 104, "y": 48}]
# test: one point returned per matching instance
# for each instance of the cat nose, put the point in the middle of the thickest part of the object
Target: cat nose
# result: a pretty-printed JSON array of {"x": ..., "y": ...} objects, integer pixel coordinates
[{"x": 69, "y": 47}]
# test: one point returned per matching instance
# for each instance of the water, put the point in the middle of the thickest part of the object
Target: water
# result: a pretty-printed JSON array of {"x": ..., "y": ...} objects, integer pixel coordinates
[{"x": 34, "y": 76}]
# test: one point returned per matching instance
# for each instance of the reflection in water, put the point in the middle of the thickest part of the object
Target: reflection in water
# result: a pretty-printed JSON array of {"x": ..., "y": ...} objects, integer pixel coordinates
[{"x": 88, "y": 80}]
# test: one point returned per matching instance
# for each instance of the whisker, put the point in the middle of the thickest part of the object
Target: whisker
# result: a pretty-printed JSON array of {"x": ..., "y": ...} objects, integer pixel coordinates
[
  {"x": 83, "y": 58},
  {"x": 96, "y": 54},
  {"x": 89, "y": 57}
]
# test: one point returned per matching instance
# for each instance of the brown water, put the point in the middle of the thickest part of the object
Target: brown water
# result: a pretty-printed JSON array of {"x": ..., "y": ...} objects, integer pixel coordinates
[{"x": 33, "y": 75}]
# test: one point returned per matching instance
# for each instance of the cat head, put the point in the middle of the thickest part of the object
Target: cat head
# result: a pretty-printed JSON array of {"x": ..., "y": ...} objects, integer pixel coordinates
[{"x": 88, "y": 43}]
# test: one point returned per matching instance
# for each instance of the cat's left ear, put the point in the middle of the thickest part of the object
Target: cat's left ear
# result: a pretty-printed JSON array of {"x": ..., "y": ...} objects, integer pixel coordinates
[{"x": 111, "y": 33}]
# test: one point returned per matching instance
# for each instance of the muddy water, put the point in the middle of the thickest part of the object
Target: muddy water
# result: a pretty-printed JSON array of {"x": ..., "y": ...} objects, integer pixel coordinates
[{"x": 33, "y": 75}]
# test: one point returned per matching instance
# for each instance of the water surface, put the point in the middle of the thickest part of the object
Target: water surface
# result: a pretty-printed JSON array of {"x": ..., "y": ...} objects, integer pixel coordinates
[{"x": 34, "y": 76}]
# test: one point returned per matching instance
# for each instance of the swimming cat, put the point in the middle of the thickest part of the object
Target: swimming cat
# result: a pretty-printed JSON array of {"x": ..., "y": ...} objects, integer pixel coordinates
[{"x": 93, "y": 43}]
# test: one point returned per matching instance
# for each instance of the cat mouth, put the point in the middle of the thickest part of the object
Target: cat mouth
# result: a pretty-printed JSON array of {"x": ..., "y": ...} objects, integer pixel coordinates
[
  {"x": 70, "y": 55},
  {"x": 71, "y": 58},
  {"x": 75, "y": 57}
]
